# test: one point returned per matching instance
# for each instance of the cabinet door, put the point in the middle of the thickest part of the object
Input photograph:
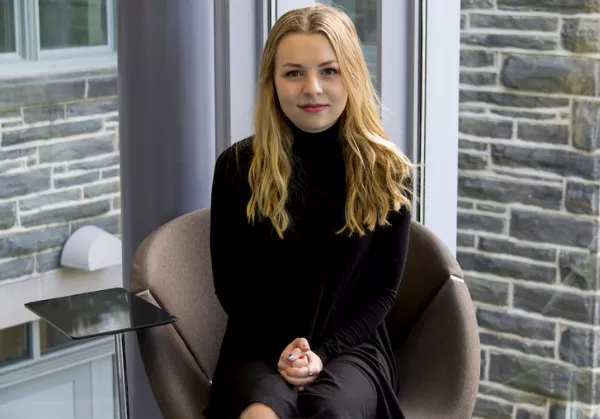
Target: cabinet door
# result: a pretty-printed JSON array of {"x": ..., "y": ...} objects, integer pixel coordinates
[{"x": 81, "y": 392}]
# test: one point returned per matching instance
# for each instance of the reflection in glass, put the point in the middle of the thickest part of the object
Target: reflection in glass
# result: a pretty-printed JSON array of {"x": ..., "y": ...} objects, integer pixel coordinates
[
  {"x": 7, "y": 26},
  {"x": 99, "y": 313},
  {"x": 14, "y": 344},
  {"x": 364, "y": 16},
  {"x": 72, "y": 23},
  {"x": 532, "y": 263},
  {"x": 51, "y": 339}
]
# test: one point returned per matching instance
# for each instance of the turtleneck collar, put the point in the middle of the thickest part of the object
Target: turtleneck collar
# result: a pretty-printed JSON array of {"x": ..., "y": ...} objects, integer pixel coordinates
[{"x": 302, "y": 139}]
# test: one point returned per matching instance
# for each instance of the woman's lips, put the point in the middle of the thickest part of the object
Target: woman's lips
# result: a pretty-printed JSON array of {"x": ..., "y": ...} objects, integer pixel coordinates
[{"x": 313, "y": 108}]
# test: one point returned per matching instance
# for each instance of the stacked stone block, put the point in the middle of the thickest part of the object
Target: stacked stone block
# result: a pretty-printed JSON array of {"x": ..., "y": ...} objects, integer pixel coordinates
[
  {"x": 59, "y": 166},
  {"x": 529, "y": 185}
]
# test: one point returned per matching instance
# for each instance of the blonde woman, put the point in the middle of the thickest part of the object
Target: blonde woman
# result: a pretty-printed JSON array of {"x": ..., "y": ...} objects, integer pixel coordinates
[{"x": 309, "y": 235}]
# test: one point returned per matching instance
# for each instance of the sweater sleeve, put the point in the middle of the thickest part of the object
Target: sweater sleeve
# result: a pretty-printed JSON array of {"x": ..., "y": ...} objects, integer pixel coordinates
[
  {"x": 382, "y": 272},
  {"x": 225, "y": 239}
]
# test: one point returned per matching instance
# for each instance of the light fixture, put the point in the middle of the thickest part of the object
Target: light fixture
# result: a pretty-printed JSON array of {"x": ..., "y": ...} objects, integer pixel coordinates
[{"x": 90, "y": 248}]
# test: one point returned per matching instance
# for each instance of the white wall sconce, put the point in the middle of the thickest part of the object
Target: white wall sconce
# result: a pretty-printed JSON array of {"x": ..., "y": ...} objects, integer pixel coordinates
[{"x": 90, "y": 248}]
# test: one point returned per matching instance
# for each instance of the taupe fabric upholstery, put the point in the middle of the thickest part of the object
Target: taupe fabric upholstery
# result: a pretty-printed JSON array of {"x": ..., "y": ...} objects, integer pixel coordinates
[
  {"x": 429, "y": 264},
  {"x": 173, "y": 265},
  {"x": 434, "y": 330},
  {"x": 180, "y": 387},
  {"x": 432, "y": 324},
  {"x": 439, "y": 360}
]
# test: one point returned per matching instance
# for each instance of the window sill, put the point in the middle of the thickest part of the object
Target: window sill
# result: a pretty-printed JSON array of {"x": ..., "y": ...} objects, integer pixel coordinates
[
  {"x": 14, "y": 69},
  {"x": 60, "y": 282}
]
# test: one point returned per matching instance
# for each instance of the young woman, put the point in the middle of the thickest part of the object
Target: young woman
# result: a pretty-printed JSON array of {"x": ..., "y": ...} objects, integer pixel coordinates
[{"x": 309, "y": 232}]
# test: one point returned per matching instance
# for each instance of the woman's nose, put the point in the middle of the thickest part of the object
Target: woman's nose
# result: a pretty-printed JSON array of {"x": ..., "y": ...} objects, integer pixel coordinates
[{"x": 312, "y": 86}]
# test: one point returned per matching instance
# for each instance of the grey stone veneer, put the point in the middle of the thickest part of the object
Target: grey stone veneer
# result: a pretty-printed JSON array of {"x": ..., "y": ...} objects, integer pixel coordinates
[
  {"x": 59, "y": 166},
  {"x": 528, "y": 211},
  {"x": 529, "y": 190}
]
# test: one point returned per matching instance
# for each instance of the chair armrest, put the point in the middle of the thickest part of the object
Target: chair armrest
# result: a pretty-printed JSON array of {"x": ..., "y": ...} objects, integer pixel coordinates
[
  {"x": 179, "y": 386},
  {"x": 439, "y": 361}
]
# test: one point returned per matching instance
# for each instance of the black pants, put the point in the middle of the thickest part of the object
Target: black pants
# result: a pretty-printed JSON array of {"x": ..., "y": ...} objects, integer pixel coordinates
[{"x": 347, "y": 388}]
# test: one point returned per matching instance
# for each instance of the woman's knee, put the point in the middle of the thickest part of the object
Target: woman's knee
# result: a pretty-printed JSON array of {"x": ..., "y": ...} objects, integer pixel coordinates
[
  {"x": 258, "y": 411},
  {"x": 310, "y": 405},
  {"x": 336, "y": 405}
]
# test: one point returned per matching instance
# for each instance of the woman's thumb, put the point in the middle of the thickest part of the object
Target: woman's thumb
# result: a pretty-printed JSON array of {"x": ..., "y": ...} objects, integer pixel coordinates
[{"x": 303, "y": 344}]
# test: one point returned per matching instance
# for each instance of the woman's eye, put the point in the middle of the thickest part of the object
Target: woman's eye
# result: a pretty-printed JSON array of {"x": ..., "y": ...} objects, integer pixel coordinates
[
  {"x": 330, "y": 71},
  {"x": 292, "y": 73}
]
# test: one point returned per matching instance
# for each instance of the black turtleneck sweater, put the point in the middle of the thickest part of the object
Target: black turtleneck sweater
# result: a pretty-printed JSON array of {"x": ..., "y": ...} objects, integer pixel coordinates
[{"x": 332, "y": 289}]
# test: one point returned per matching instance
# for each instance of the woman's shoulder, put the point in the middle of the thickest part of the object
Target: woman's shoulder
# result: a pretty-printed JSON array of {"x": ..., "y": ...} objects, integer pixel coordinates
[{"x": 236, "y": 158}]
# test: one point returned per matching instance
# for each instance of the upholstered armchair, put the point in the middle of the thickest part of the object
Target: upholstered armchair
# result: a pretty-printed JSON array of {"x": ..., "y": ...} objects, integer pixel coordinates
[{"x": 432, "y": 324}]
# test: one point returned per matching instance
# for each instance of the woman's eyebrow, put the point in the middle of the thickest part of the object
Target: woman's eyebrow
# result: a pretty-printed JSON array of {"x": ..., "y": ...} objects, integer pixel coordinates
[{"x": 294, "y": 65}]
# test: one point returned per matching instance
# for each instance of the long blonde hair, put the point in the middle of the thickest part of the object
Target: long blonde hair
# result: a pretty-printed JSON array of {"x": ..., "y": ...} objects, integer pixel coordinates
[{"x": 378, "y": 175}]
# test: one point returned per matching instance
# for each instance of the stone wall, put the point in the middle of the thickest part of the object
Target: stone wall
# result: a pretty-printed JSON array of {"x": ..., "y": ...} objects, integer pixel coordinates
[
  {"x": 59, "y": 166},
  {"x": 529, "y": 190}
]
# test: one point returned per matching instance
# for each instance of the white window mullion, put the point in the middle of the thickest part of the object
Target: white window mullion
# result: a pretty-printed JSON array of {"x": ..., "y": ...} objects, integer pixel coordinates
[
  {"x": 85, "y": 353},
  {"x": 18, "y": 28},
  {"x": 400, "y": 76},
  {"x": 36, "y": 347},
  {"x": 241, "y": 29},
  {"x": 272, "y": 14},
  {"x": 223, "y": 73},
  {"x": 111, "y": 29},
  {"x": 395, "y": 78},
  {"x": 441, "y": 49},
  {"x": 28, "y": 31}
]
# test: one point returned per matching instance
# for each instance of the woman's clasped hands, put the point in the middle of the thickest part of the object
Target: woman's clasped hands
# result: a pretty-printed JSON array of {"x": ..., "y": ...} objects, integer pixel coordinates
[{"x": 298, "y": 365}]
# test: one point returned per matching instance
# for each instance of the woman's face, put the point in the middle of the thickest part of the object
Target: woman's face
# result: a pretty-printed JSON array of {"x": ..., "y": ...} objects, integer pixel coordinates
[{"x": 309, "y": 86}]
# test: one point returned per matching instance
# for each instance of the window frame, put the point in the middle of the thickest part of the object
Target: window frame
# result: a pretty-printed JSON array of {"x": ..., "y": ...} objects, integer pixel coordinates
[
  {"x": 12, "y": 55},
  {"x": 420, "y": 103},
  {"x": 35, "y": 358},
  {"x": 28, "y": 45},
  {"x": 280, "y": 7},
  {"x": 440, "y": 95},
  {"x": 29, "y": 345}
]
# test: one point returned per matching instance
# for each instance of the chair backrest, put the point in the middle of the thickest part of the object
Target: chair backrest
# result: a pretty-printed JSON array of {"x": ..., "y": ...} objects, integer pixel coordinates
[
  {"x": 173, "y": 263},
  {"x": 173, "y": 268},
  {"x": 429, "y": 265}
]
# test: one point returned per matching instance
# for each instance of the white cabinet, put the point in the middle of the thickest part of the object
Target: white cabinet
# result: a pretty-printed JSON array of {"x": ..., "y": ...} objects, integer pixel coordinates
[{"x": 67, "y": 387}]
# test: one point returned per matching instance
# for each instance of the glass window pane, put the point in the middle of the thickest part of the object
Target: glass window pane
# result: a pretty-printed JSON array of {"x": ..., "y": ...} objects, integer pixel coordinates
[
  {"x": 528, "y": 200},
  {"x": 51, "y": 339},
  {"x": 364, "y": 16},
  {"x": 7, "y": 26},
  {"x": 14, "y": 344},
  {"x": 59, "y": 124},
  {"x": 72, "y": 23}
]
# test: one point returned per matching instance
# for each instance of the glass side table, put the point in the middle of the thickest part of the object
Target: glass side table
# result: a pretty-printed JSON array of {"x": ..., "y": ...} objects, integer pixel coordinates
[{"x": 112, "y": 311}]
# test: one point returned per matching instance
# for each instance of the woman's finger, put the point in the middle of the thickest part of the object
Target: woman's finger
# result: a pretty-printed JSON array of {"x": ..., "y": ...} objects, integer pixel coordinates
[
  {"x": 302, "y": 343},
  {"x": 309, "y": 369},
  {"x": 298, "y": 382},
  {"x": 294, "y": 355},
  {"x": 290, "y": 361},
  {"x": 314, "y": 366},
  {"x": 296, "y": 343},
  {"x": 298, "y": 363},
  {"x": 301, "y": 372}
]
